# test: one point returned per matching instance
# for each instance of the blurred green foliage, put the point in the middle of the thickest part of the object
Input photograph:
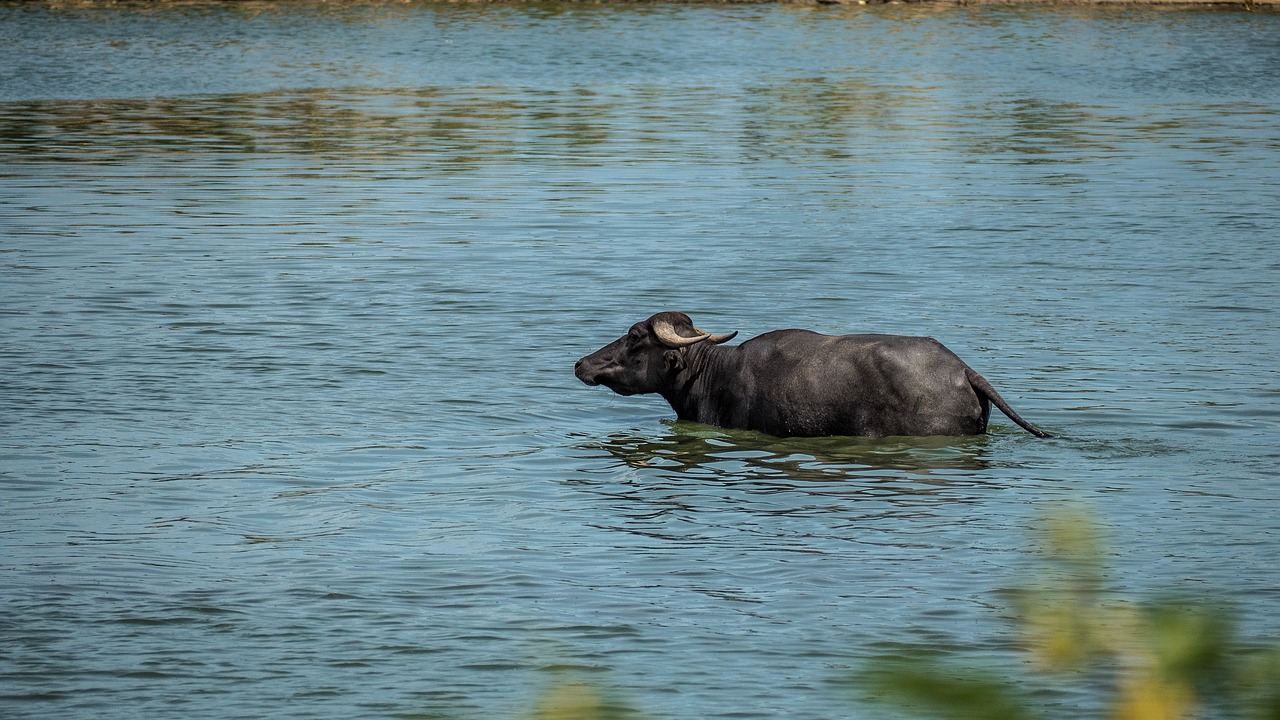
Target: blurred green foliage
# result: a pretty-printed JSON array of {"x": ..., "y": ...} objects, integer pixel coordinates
[
  {"x": 1167, "y": 659},
  {"x": 575, "y": 700}
]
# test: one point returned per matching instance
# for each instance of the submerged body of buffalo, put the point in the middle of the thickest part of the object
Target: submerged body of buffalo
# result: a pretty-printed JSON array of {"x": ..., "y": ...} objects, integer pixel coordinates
[{"x": 798, "y": 382}]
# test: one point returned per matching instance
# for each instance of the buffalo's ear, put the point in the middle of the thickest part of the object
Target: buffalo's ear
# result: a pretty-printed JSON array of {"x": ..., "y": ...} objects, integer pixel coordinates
[{"x": 674, "y": 360}]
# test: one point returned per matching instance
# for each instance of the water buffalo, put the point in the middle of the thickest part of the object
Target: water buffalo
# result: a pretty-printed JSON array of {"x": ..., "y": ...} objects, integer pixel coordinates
[{"x": 798, "y": 382}]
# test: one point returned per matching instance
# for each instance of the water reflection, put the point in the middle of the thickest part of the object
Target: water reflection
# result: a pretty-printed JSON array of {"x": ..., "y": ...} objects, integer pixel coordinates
[
  {"x": 465, "y": 128},
  {"x": 694, "y": 448},
  {"x": 323, "y": 123},
  {"x": 696, "y": 485}
]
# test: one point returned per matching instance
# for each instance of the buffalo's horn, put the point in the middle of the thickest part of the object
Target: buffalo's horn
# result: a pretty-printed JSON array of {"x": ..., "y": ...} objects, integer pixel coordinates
[{"x": 666, "y": 332}]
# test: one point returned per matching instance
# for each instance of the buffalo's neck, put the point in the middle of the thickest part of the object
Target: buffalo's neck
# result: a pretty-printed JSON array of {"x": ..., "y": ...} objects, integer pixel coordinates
[{"x": 696, "y": 394}]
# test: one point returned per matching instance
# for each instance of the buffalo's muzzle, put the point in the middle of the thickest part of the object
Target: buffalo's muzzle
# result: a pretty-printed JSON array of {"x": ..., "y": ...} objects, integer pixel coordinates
[{"x": 584, "y": 373}]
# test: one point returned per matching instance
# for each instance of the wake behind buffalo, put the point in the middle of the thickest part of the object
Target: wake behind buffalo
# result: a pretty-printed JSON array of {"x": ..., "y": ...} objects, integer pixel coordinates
[{"x": 799, "y": 383}]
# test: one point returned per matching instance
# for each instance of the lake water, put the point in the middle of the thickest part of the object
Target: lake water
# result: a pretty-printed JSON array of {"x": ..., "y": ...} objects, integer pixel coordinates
[{"x": 292, "y": 294}]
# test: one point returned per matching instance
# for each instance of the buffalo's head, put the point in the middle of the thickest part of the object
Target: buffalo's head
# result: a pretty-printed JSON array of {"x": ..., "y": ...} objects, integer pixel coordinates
[{"x": 646, "y": 359}]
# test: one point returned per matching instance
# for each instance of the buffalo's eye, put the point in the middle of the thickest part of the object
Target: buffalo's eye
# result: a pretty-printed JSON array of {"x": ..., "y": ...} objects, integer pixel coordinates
[{"x": 635, "y": 336}]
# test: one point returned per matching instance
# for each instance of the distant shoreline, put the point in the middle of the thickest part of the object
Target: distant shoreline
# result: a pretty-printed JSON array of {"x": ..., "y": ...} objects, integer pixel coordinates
[
  {"x": 1244, "y": 4},
  {"x": 1247, "y": 4}
]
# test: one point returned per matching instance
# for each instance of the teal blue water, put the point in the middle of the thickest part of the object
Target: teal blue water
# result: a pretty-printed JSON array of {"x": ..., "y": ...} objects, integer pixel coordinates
[{"x": 291, "y": 296}]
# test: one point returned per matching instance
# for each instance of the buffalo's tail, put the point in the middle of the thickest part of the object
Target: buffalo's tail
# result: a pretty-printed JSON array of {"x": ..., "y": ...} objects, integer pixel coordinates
[{"x": 984, "y": 389}]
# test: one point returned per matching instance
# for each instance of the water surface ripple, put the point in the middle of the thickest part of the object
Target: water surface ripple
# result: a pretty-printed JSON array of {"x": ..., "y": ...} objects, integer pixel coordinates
[{"x": 291, "y": 299}]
